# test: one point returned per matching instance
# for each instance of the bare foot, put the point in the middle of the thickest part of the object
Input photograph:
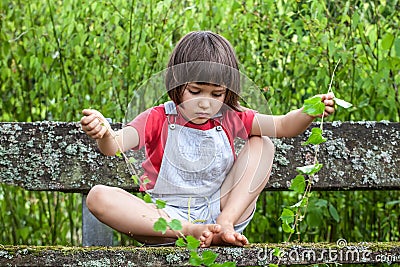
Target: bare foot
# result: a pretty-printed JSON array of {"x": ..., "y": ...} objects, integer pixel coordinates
[
  {"x": 227, "y": 236},
  {"x": 202, "y": 232}
]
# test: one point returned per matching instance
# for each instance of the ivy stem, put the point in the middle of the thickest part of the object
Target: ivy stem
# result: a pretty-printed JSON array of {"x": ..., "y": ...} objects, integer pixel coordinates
[
  {"x": 131, "y": 167},
  {"x": 127, "y": 161},
  {"x": 333, "y": 75},
  {"x": 311, "y": 177}
]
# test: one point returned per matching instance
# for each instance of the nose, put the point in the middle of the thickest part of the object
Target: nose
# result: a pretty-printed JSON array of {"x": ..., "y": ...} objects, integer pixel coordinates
[{"x": 204, "y": 103}]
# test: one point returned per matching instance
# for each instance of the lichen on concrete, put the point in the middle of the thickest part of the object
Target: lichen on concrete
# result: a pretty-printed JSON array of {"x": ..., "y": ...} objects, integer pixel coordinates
[
  {"x": 59, "y": 156},
  {"x": 252, "y": 255},
  {"x": 96, "y": 263}
]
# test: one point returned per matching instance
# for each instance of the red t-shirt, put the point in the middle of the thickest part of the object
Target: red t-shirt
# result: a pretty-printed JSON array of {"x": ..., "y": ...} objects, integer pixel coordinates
[{"x": 152, "y": 127}]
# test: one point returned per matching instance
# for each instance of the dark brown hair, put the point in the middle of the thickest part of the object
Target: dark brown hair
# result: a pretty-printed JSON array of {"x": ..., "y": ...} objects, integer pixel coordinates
[{"x": 204, "y": 57}]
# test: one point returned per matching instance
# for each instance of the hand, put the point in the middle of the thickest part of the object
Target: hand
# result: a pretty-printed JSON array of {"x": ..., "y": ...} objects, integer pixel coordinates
[
  {"x": 328, "y": 100},
  {"x": 94, "y": 124}
]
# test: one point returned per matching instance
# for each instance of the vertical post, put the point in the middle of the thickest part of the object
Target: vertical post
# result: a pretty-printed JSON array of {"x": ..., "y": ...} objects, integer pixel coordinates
[{"x": 94, "y": 232}]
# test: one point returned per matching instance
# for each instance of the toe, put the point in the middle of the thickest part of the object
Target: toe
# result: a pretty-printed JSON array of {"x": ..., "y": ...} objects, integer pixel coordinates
[
  {"x": 229, "y": 238},
  {"x": 243, "y": 240},
  {"x": 205, "y": 234},
  {"x": 216, "y": 228}
]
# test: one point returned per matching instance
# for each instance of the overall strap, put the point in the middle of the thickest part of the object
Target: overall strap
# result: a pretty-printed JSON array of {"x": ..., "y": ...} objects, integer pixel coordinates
[
  {"x": 170, "y": 109},
  {"x": 172, "y": 113}
]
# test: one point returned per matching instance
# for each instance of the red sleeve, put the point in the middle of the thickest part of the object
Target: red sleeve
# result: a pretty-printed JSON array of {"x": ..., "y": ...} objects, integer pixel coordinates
[
  {"x": 240, "y": 123},
  {"x": 151, "y": 126},
  {"x": 148, "y": 125}
]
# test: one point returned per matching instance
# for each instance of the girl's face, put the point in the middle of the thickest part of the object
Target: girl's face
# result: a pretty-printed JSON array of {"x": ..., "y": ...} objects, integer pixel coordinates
[{"x": 201, "y": 101}]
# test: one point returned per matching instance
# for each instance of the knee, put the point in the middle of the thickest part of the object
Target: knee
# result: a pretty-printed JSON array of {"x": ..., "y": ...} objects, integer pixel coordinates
[{"x": 95, "y": 198}]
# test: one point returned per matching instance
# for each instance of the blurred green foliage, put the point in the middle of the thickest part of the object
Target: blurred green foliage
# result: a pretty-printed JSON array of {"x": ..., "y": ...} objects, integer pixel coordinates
[{"x": 58, "y": 57}]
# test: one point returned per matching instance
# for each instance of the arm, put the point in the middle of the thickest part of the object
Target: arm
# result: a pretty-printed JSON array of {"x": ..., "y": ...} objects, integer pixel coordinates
[
  {"x": 292, "y": 124},
  {"x": 109, "y": 141}
]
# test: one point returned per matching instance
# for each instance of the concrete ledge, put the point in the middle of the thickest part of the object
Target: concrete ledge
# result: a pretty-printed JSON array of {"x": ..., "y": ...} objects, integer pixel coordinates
[
  {"x": 59, "y": 156},
  {"x": 253, "y": 255}
]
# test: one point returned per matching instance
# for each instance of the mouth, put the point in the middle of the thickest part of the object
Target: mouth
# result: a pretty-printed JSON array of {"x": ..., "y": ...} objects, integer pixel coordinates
[{"x": 202, "y": 115}]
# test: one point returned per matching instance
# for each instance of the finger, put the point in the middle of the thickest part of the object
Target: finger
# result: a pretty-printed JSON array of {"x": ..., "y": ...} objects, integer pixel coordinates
[
  {"x": 329, "y": 102},
  {"x": 96, "y": 133},
  {"x": 328, "y": 96},
  {"x": 93, "y": 112},
  {"x": 103, "y": 131},
  {"x": 326, "y": 113},
  {"x": 91, "y": 123},
  {"x": 88, "y": 119},
  {"x": 87, "y": 112},
  {"x": 329, "y": 110}
]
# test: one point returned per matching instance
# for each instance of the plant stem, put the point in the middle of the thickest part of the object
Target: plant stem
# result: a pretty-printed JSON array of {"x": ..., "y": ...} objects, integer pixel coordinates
[
  {"x": 62, "y": 71},
  {"x": 333, "y": 75},
  {"x": 114, "y": 136},
  {"x": 311, "y": 177}
]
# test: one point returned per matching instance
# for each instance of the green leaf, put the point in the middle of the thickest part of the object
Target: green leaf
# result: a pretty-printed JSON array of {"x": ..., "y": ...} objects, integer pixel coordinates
[
  {"x": 147, "y": 198},
  {"x": 287, "y": 216},
  {"x": 320, "y": 203},
  {"x": 298, "y": 184},
  {"x": 209, "y": 257},
  {"x": 160, "y": 225},
  {"x": 236, "y": 5},
  {"x": 334, "y": 213},
  {"x": 397, "y": 47},
  {"x": 313, "y": 106},
  {"x": 277, "y": 252},
  {"x": 132, "y": 160},
  {"x": 180, "y": 242},
  {"x": 135, "y": 179},
  {"x": 310, "y": 169},
  {"x": 301, "y": 203},
  {"x": 342, "y": 103},
  {"x": 195, "y": 259},
  {"x": 315, "y": 137},
  {"x": 287, "y": 228},
  {"x": 146, "y": 181},
  {"x": 393, "y": 202},
  {"x": 160, "y": 204},
  {"x": 315, "y": 218},
  {"x": 387, "y": 41},
  {"x": 118, "y": 154},
  {"x": 175, "y": 225},
  {"x": 192, "y": 243}
]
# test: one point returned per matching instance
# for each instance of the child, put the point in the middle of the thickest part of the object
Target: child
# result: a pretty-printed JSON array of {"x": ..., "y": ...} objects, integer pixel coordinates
[{"x": 191, "y": 161}]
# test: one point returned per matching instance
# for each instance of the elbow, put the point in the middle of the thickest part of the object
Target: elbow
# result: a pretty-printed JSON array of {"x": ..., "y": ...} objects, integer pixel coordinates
[
  {"x": 107, "y": 152},
  {"x": 110, "y": 154},
  {"x": 286, "y": 134}
]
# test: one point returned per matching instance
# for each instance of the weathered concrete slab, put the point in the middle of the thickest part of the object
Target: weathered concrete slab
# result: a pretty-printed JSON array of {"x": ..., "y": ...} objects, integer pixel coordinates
[
  {"x": 255, "y": 255},
  {"x": 59, "y": 156}
]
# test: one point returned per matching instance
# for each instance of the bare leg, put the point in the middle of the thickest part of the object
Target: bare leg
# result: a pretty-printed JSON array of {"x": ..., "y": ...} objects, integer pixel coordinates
[
  {"x": 240, "y": 190},
  {"x": 132, "y": 216}
]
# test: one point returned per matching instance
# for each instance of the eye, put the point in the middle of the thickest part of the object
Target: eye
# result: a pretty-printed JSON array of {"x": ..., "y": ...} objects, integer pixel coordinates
[
  {"x": 218, "y": 93},
  {"x": 193, "y": 92}
]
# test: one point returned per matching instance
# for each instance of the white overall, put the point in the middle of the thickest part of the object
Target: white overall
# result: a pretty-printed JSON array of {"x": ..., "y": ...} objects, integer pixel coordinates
[{"x": 194, "y": 166}]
